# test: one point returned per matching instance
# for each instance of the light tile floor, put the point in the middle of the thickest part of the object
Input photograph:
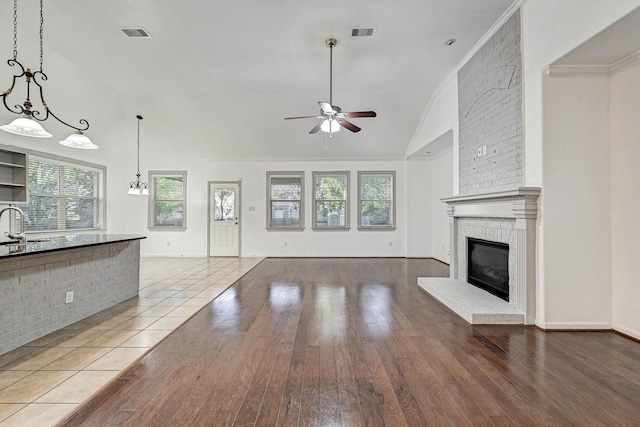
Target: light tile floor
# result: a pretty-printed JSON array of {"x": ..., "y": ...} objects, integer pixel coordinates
[{"x": 44, "y": 381}]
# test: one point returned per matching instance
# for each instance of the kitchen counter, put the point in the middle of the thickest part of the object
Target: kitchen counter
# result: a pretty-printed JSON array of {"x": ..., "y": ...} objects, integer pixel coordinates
[
  {"x": 36, "y": 245},
  {"x": 49, "y": 284}
]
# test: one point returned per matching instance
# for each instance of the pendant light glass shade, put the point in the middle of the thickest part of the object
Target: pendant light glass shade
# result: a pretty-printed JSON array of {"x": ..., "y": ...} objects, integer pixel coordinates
[
  {"x": 26, "y": 127},
  {"x": 136, "y": 190},
  {"x": 78, "y": 140}
]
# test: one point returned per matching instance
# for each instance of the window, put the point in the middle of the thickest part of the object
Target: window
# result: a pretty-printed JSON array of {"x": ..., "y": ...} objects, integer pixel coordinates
[
  {"x": 331, "y": 200},
  {"x": 168, "y": 200},
  {"x": 285, "y": 200},
  {"x": 64, "y": 195},
  {"x": 376, "y": 200}
]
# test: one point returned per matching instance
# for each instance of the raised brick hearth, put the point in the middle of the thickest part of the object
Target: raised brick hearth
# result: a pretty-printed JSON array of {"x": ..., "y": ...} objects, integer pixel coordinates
[{"x": 506, "y": 217}]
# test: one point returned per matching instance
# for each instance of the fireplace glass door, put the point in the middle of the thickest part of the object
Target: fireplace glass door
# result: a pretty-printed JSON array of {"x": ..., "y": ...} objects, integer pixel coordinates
[{"x": 488, "y": 266}]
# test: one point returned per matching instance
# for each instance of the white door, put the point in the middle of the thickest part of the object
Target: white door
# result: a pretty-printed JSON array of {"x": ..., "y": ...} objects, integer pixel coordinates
[{"x": 224, "y": 219}]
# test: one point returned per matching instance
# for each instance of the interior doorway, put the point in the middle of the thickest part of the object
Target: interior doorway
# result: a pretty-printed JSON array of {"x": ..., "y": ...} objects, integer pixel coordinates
[{"x": 224, "y": 218}]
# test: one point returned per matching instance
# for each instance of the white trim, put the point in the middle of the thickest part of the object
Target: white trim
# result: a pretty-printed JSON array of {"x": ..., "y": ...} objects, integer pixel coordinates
[
  {"x": 592, "y": 70},
  {"x": 575, "y": 325},
  {"x": 627, "y": 331},
  {"x": 625, "y": 62}
]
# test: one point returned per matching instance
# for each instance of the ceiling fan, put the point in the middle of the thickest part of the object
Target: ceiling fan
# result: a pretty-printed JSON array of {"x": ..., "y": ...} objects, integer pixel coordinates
[{"x": 332, "y": 116}]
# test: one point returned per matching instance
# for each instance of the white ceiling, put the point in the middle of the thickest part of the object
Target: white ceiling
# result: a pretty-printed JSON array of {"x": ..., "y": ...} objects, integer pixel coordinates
[
  {"x": 234, "y": 70},
  {"x": 610, "y": 46}
]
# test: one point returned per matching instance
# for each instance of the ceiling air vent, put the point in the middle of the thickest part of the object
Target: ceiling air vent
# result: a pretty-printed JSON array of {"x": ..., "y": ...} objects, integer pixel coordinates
[
  {"x": 136, "y": 32},
  {"x": 362, "y": 32}
]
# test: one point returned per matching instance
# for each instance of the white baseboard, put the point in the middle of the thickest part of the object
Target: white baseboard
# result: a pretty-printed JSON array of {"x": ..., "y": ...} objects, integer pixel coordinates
[
  {"x": 587, "y": 326},
  {"x": 627, "y": 331}
]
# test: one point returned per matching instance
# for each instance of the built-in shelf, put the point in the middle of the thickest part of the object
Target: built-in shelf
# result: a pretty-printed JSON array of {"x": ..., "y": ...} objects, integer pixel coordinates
[
  {"x": 13, "y": 177},
  {"x": 11, "y": 165}
]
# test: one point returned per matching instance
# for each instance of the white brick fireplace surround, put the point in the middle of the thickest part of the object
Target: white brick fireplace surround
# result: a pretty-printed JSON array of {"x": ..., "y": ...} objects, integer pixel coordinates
[{"x": 506, "y": 217}]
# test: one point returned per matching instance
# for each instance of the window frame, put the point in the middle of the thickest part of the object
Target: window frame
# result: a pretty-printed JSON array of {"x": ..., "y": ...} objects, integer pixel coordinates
[
  {"x": 62, "y": 162},
  {"x": 286, "y": 174},
  {"x": 347, "y": 200},
  {"x": 152, "y": 226},
  {"x": 392, "y": 212}
]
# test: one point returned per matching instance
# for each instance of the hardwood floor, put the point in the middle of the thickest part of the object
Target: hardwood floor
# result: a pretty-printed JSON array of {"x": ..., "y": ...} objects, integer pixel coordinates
[{"x": 354, "y": 342}]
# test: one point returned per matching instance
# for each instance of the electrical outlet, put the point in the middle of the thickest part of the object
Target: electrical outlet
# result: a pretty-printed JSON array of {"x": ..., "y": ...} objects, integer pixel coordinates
[
  {"x": 484, "y": 150},
  {"x": 69, "y": 297},
  {"x": 479, "y": 151}
]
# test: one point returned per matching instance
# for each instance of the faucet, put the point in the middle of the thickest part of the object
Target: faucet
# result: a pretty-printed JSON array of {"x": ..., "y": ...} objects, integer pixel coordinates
[{"x": 22, "y": 236}]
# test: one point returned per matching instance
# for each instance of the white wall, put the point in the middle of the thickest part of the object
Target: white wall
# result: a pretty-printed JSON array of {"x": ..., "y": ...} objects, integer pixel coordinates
[
  {"x": 419, "y": 207},
  {"x": 429, "y": 179},
  {"x": 550, "y": 30},
  {"x": 625, "y": 199},
  {"x": 436, "y": 175},
  {"x": 440, "y": 117},
  {"x": 576, "y": 202},
  {"x": 128, "y": 214},
  {"x": 442, "y": 186}
]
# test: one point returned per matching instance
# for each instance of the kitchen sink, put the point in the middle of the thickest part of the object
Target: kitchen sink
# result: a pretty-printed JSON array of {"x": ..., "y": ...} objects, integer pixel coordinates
[{"x": 17, "y": 243}]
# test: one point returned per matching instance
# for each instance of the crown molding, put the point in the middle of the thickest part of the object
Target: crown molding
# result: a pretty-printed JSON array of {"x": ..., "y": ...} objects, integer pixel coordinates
[{"x": 592, "y": 70}]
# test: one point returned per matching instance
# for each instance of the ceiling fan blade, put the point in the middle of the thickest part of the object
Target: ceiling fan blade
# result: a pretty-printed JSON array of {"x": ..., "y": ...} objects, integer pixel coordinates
[
  {"x": 316, "y": 128},
  {"x": 355, "y": 114},
  {"x": 346, "y": 124},
  {"x": 300, "y": 117},
  {"x": 326, "y": 107}
]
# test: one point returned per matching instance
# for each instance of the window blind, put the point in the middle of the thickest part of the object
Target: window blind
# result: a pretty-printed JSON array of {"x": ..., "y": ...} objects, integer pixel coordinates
[{"x": 63, "y": 196}]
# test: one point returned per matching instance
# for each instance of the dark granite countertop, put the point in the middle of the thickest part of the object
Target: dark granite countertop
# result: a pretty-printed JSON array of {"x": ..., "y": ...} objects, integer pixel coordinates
[{"x": 36, "y": 245}]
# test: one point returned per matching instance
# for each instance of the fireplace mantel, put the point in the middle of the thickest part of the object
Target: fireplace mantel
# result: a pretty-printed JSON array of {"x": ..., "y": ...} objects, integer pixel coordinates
[
  {"x": 521, "y": 203},
  {"x": 519, "y": 206}
]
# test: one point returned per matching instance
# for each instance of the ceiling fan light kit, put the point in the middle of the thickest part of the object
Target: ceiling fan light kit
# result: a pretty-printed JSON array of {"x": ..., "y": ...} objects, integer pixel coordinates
[{"x": 333, "y": 119}]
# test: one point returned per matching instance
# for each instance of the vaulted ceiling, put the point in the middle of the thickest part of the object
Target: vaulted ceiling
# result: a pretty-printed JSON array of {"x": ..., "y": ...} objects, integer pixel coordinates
[{"x": 216, "y": 79}]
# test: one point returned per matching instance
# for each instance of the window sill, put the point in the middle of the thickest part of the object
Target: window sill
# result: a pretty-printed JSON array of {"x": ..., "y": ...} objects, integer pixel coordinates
[
  {"x": 285, "y": 228},
  {"x": 167, "y": 228},
  {"x": 374, "y": 228},
  {"x": 331, "y": 228}
]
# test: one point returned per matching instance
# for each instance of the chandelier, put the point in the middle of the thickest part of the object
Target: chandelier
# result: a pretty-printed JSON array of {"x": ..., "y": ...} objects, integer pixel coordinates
[
  {"x": 137, "y": 187},
  {"x": 27, "y": 124}
]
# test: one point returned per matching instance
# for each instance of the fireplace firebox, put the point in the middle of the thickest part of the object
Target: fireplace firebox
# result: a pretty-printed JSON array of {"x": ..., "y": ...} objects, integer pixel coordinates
[{"x": 488, "y": 266}]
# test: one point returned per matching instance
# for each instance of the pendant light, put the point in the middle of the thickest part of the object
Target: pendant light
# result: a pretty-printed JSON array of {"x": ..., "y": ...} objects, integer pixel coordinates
[
  {"x": 27, "y": 124},
  {"x": 137, "y": 187}
]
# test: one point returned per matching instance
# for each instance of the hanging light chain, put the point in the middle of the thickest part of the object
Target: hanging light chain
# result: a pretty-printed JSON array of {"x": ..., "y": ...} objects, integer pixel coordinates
[
  {"x": 37, "y": 78},
  {"x": 138, "y": 187},
  {"x": 139, "y": 118},
  {"x": 15, "y": 30},
  {"x": 41, "y": 35}
]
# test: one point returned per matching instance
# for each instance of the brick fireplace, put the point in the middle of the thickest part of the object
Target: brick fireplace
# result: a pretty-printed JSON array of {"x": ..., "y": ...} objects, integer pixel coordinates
[{"x": 507, "y": 217}]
